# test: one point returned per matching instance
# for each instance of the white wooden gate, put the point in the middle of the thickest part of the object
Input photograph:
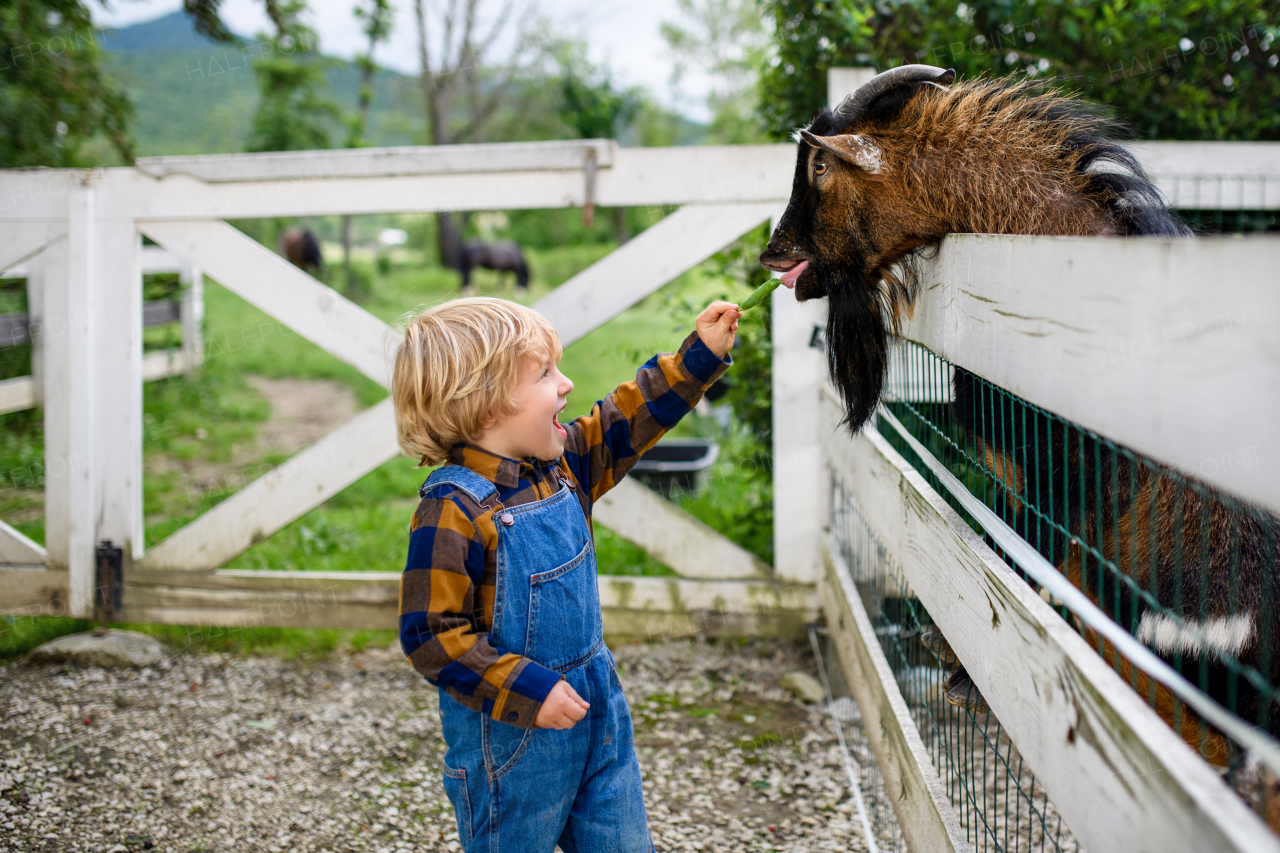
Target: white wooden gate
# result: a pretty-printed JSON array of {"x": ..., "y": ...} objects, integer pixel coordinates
[{"x": 86, "y": 227}]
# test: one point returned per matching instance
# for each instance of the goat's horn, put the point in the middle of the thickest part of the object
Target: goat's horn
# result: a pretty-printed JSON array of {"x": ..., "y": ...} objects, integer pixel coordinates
[{"x": 853, "y": 106}]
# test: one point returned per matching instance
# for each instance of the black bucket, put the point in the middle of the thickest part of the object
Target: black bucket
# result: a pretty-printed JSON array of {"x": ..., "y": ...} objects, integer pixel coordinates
[{"x": 676, "y": 465}]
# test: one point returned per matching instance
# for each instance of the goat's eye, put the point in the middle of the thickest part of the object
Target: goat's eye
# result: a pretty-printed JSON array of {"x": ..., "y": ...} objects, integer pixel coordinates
[{"x": 819, "y": 168}]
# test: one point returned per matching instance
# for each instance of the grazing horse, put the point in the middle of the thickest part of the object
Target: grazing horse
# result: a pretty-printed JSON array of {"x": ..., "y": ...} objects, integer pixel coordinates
[
  {"x": 300, "y": 247},
  {"x": 503, "y": 257}
]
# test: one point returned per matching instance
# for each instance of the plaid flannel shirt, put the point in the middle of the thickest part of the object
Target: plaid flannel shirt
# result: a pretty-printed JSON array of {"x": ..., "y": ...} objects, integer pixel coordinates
[{"x": 449, "y": 582}]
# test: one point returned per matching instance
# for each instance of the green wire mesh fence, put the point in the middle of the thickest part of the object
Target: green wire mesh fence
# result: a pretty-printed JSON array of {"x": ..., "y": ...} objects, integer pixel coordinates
[
  {"x": 1187, "y": 570},
  {"x": 995, "y": 795}
]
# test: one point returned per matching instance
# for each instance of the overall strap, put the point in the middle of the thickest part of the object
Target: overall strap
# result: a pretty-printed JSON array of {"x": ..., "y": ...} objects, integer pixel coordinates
[{"x": 464, "y": 478}]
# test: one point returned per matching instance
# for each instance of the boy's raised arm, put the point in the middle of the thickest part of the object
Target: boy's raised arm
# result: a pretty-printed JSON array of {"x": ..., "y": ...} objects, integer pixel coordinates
[
  {"x": 604, "y": 445},
  {"x": 437, "y": 597}
]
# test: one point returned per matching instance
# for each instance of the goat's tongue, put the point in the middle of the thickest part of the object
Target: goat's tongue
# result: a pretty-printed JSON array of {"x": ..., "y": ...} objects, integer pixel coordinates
[{"x": 789, "y": 277}]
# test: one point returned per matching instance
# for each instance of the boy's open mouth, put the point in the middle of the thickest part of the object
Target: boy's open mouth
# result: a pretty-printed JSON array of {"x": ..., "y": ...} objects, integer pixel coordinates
[{"x": 555, "y": 421}]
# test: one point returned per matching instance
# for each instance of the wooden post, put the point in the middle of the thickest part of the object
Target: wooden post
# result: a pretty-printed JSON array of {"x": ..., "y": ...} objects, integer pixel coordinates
[
  {"x": 69, "y": 435},
  {"x": 801, "y": 493},
  {"x": 35, "y": 321},
  {"x": 117, "y": 361},
  {"x": 192, "y": 315}
]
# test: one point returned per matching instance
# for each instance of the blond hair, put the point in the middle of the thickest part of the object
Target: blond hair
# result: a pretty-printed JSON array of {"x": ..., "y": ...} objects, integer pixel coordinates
[{"x": 458, "y": 365}]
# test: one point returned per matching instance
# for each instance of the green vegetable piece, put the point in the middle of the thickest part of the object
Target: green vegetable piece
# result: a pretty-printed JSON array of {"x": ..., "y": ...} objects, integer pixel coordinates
[{"x": 757, "y": 296}]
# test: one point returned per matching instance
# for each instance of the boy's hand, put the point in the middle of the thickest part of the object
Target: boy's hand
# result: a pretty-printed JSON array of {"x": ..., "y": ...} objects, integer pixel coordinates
[
  {"x": 562, "y": 708},
  {"x": 716, "y": 326}
]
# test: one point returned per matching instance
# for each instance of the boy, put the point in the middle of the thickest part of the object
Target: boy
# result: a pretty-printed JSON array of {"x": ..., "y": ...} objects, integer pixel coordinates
[{"x": 499, "y": 606}]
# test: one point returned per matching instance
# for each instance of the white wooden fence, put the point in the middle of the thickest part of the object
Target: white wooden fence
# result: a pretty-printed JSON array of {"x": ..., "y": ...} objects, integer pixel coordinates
[
  {"x": 26, "y": 392},
  {"x": 1166, "y": 346},
  {"x": 85, "y": 230}
]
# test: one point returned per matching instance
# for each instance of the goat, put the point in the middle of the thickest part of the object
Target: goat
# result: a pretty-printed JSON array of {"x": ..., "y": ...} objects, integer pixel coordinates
[
  {"x": 302, "y": 250},
  {"x": 879, "y": 181},
  {"x": 503, "y": 257}
]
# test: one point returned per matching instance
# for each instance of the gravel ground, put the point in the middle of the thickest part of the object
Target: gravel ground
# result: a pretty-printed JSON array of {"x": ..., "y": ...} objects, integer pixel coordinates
[{"x": 212, "y": 753}]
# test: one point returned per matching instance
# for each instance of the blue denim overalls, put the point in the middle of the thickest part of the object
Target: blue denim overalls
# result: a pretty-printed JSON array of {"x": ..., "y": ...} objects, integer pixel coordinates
[{"x": 520, "y": 790}]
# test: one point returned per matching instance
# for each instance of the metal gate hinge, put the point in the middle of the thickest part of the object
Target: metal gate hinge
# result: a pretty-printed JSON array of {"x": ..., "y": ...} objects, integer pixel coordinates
[{"x": 109, "y": 580}]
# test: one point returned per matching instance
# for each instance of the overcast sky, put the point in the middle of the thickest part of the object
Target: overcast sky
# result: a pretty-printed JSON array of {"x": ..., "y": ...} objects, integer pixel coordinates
[{"x": 623, "y": 33}]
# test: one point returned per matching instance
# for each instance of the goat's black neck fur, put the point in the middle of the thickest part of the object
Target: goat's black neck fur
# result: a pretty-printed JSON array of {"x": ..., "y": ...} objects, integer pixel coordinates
[
  {"x": 1130, "y": 198},
  {"x": 857, "y": 344}
]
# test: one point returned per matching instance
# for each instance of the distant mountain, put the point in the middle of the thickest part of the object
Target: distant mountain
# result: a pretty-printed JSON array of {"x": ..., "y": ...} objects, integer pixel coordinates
[
  {"x": 192, "y": 95},
  {"x": 174, "y": 33}
]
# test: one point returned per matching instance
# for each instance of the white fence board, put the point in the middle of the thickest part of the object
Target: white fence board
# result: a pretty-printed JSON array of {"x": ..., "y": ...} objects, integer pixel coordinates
[
  {"x": 702, "y": 174},
  {"x": 269, "y": 503},
  {"x": 691, "y": 548},
  {"x": 1121, "y": 777},
  {"x": 33, "y": 591},
  {"x": 35, "y": 321},
  {"x": 633, "y": 271},
  {"x": 191, "y": 315},
  {"x": 264, "y": 279},
  {"x": 921, "y": 804},
  {"x": 1165, "y": 346},
  {"x": 637, "y": 177},
  {"x": 684, "y": 595},
  {"x": 18, "y": 550},
  {"x": 1214, "y": 175},
  {"x": 17, "y": 394},
  {"x": 1247, "y": 159},
  {"x": 71, "y": 441},
  {"x": 160, "y": 364},
  {"x": 156, "y": 259},
  {"x": 632, "y": 605},
  {"x": 800, "y": 488},
  {"x": 24, "y": 239},
  {"x": 383, "y": 162},
  {"x": 117, "y": 362}
]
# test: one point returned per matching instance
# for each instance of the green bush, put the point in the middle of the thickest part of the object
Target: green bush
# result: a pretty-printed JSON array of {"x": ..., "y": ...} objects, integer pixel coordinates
[{"x": 1173, "y": 70}]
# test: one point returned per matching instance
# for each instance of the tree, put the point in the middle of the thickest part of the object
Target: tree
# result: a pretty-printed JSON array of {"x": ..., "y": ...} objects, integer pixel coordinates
[
  {"x": 728, "y": 40},
  {"x": 376, "y": 18},
  {"x": 1174, "y": 70},
  {"x": 291, "y": 114},
  {"x": 461, "y": 92},
  {"x": 55, "y": 96},
  {"x": 594, "y": 110}
]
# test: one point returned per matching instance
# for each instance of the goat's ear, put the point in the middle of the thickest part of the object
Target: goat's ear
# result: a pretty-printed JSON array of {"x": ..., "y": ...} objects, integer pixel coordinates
[{"x": 853, "y": 148}]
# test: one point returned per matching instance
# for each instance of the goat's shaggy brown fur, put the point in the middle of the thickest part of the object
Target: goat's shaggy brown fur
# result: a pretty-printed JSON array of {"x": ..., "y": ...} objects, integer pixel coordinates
[{"x": 998, "y": 158}]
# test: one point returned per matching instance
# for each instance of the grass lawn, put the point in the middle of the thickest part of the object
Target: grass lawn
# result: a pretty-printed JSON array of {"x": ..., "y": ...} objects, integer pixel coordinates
[{"x": 201, "y": 437}]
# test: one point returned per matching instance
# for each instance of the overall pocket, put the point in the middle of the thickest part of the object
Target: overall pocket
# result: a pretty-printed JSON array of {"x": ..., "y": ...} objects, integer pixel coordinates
[
  {"x": 564, "y": 613},
  {"x": 503, "y": 746},
  {"x": 455, "y": 787}
]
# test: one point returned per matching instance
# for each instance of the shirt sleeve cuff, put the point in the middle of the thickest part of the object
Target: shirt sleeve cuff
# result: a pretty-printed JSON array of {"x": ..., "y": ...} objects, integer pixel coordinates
[
  {"x": 526, "y": 695},
  {"x": 701, "y": 363}
]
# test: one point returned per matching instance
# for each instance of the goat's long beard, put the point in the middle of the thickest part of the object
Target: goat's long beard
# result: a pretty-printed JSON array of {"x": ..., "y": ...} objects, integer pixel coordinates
[{"x": 857, "y": 344}]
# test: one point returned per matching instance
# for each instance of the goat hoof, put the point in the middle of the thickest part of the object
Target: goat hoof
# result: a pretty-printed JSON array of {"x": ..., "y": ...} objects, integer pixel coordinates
[
  {"x": 963, "y": 693},
  {"x": 933, "y": 640}
]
